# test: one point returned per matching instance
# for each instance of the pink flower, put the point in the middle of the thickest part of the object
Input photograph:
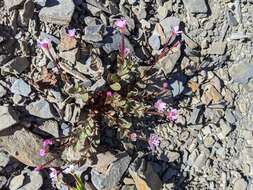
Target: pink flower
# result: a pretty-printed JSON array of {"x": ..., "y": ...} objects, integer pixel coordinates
[
  {"x": 121, "y": 24},
  {"x": 126, "y": 51},
  {"x": 53, "y": 174},
  {"x": 153, "y": 141},
  {"x": 176, "y": 30},
  {"x": 160, "y": 105},
  {"x": 133, "y": 137},
  {"x": 42, "y": 152},
  {"x": 109, "y": 93},
  {"x": 165, "y": 86},
  {"x": 43, "y": 44},
  {"x": 71, "y": 33},
  {"x": 47, "y": 142},
  {"x": 38, "y": 168},
  {"x": 172, "y": 115}
]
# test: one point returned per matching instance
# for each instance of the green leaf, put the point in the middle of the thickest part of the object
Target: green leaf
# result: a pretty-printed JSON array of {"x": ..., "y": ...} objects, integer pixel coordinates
[{"x": 115, "y": 86}]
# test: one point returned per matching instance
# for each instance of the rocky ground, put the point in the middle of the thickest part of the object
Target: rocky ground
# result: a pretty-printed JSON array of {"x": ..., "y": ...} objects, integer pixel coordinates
[{"x": 209, "y": 71}]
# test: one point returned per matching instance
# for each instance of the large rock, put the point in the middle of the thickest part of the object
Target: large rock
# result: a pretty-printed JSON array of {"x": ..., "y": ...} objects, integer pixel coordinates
[
  {"x": 40, "y": 108},
  {"x": 144, "y": 176},
  {"x": 58, "y": 12},
  {"x": 8, "y": 117},
  {"x": 241, "y": 72},
  {"x": 196, "y": 6},
  {"x": 109, "y": 170},
  {"x": 10, "y": 4},
  {"x": 19, "y": 183},
  {"x": 24, "y": 146},
  {"x": 20, "y": 87}
]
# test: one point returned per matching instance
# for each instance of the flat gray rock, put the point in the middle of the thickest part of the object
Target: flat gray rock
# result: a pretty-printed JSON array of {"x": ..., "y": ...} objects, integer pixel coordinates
[
  {"x": 58, "y": 12},
  {"x": 241, "y": 72},
  {"x": 19, "y": 64},
  {"x": 40, "y": 108},
  {"x": 20, "y": 87},
  {"x": 8, "y": 117},
  {"x": 196, "y": 6}
]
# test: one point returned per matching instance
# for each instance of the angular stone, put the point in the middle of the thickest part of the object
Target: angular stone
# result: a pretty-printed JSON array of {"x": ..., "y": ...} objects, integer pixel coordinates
[
  {"x": 107, "y": 175},
  {"x": 40, "y": 108},
  {"x": 20, "y": 87},
  {"x": 19, "y": 64},
  {"x": 3, "y": 92},
  {"x": 111, "y": 43},
  {"x": 168, "y": 24},
  {"x": 218, "y": 48},
  {"x": 72, "y": 55},
  {"x": 67, "y": 43},
  {"x": 196, "y": 6},
  {"x": 4, "y": 159},
  {"x": 144, "y": 176},
  {"x": 8, "y": 117},
  {"x": 11, "y": 4},
  {"x": 167, "y": 63},
  {"x": 17, "y": 182},
  {"x": 24, "y": 146},
  {"x": 3, "y": 181},
  {"x": 58, "y": 12},
  {"x": 241, "y": 72},
  {"x": 240, "y": 184},
  {"x": 154, "y": 42}
]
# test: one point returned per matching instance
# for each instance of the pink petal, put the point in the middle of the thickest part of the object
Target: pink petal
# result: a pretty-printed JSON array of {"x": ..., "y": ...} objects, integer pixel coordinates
[{"x": 47, "y": 142}]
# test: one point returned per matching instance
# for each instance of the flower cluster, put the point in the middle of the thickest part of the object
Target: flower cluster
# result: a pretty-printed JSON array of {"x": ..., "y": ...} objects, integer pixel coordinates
[
  {"x": 153, "y": 141},
  {"x": 45, "y": 147}
]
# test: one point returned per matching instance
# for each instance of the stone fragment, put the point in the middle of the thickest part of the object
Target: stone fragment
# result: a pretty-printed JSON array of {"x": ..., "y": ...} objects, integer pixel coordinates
[
  {"x": 218, "y": 48},
  {"x": 11, "y": 4},
  {"x": 211, "y": 95},
  {"x": 93, "y": 33},
  {"x": 4, "y": 159},
  {"x": 144, "y": 176},
  {"x": 241, "y": 72},
  {"x": 167, "y": 63},
  {"x": 109, "y": 170},
  {"x": 51, "y": 127},
  {"x": 19, "y": 64},
  {"x": 196, "y": 6},
  {"x": 20, "y": 87},
  {"x": 72, "y": 55},
  {"x": 41, "y": 3},
  {"x": 17, "y": 182},
  {"x": 58, "y": 12},
  {"x": 240, "y": 184},
  {"x": 154, "y": 41},
  {"x": 195, "y": 115},
  {"x": 177, "y": 88},
  {"x": 111, "y": 43},
  {"x": 40, "y": 108},
  {"x": 67, "y": 43},
  {"x": 35, "y": 183},
  {"x": 3, "y": 92},
  {"x": 24, "y": 146},
  {"x": 3, "y": 181},
  {"x": 229, "y": 116},
  {"x": 8, "y": 117},
  {"x": 168, "y": 24}
]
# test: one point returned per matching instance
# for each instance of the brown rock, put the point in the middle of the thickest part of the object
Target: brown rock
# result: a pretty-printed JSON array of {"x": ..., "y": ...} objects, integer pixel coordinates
[
  {"x": 24, "y": 146},
  {"x": 212, "y": 94},
  {"x": 67, "y": 43}
]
